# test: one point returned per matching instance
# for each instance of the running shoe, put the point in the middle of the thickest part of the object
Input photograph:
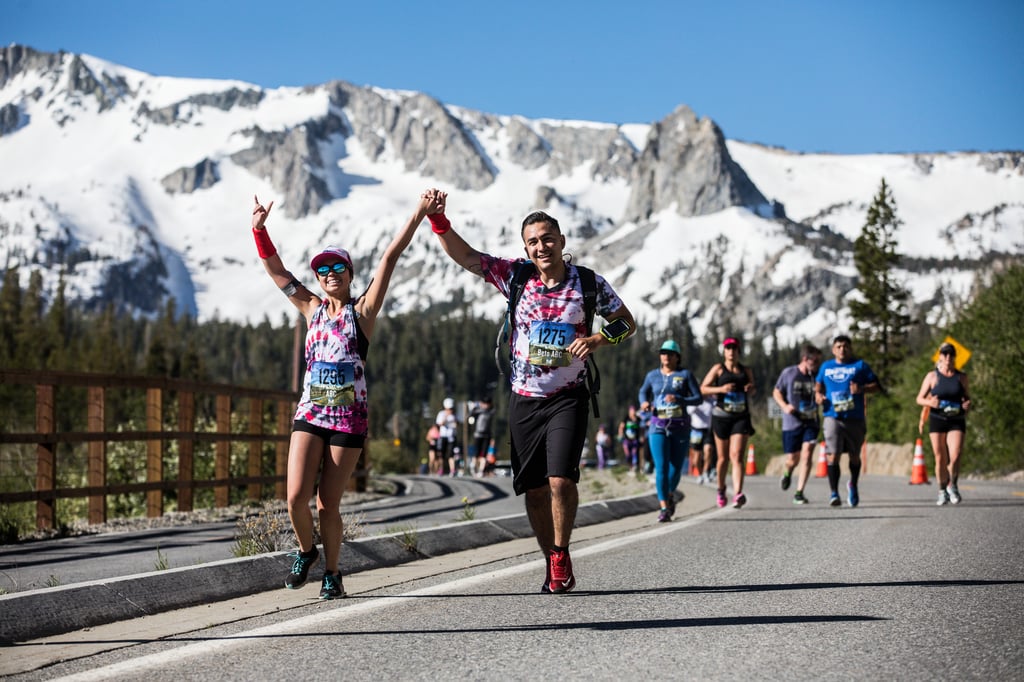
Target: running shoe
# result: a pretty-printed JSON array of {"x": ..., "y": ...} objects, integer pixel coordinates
[
  {"x": 672, "y": 501},
  {"x": 954, "y": 494},
  {"x": 833, "y": 500},
  {"x": 798, "y": 498},
  {"x": 664, "y": 516},
  {"x": 739, "y": 500},
  {"x": 943, "y": 498},
  {"x": 721, "y": 498},
  {"x": 786, "y": 478},
  {"x": 331, "y": 587},
  {"x": 852, "y": 496},
  {"x": 300, "y": 568},
  {"x": 562, "y": 579}
]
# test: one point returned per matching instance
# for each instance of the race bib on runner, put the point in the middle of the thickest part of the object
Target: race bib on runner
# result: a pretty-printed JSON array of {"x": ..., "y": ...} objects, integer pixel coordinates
[
  {"x": 735, "y": 402},
  {"x": 950, "y": 408},
  {"x": 548, "y": 341},
  {"x": 696, "y": 438},
  {"x": 669, "y": 411},
  {"x": 332, "y": 384},
  {"x": 807, "y": 410},
  {"x": 842, "y": 401}
]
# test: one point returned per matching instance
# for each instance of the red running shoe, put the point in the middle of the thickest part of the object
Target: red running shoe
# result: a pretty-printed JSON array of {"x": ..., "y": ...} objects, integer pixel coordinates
[{"x": 562, "y": 579}]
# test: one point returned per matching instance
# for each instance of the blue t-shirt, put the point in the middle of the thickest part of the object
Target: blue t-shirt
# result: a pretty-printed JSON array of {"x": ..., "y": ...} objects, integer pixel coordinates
[{"x": 835, "y": 377}]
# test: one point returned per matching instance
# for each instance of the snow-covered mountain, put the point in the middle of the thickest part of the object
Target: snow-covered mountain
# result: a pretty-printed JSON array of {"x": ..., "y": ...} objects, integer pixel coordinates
[{"x": 141, "y": 187}]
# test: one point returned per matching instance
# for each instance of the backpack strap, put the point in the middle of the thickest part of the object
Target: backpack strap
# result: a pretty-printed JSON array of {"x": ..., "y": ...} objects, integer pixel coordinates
[
  {"x": 588, "y": 281},
  {"x": 520, "y": 276}
]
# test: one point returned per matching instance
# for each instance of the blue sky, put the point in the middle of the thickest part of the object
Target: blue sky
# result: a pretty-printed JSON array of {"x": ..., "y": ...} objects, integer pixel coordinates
[{"x": 825, "y": 75}]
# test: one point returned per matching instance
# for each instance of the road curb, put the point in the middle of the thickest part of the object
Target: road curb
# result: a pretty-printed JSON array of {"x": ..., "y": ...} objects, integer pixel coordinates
[{"x": 56, "y": 610}]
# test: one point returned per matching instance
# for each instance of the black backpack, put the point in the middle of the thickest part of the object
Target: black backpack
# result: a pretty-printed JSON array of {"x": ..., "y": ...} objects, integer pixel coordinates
[{"x": 520, "y": 276}]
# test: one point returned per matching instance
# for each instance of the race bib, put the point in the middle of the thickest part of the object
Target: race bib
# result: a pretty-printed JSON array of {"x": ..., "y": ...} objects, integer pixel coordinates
[
  {"x": 696, "y": 438},
  {"x": 950, "y": 408},
  {"x": 735, "y": 402},
  {"x": 807, "y": 410},
  {"x": 669, "y": 411},
  {"x": 842, "y": 401},
  {"x": 548, "y": 341},
  {"x": 332, "y": 384}
]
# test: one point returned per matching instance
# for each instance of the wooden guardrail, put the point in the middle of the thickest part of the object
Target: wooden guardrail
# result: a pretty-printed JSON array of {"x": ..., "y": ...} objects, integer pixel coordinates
[{"x": 228, "y": 401}]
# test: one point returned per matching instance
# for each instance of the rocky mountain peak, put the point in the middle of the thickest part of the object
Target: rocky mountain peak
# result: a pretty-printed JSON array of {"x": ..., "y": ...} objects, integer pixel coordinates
[{"x": 686, "y": 164}]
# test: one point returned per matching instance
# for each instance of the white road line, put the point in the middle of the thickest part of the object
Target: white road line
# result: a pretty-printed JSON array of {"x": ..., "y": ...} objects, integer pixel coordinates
[{"x": 319, "y": 621}]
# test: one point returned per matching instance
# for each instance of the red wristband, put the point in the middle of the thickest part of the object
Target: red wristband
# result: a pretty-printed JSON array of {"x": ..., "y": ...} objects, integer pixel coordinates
[
  {"x": 264, "y": 247},
  {"x": 439, "y": 223}
]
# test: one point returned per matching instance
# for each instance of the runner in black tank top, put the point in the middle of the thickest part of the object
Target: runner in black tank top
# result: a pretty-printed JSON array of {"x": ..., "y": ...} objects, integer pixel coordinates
[
  {"x": 732, "y": 385},
  {"x": 945, "y": 396}
]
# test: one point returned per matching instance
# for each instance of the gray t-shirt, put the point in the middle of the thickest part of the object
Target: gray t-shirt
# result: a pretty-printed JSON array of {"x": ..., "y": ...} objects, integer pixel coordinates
[{"x": 798, "y": 390}]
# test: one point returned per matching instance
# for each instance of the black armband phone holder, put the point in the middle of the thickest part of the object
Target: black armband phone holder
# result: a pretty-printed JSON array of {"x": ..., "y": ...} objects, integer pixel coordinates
[{"x": 616, "y": 330}]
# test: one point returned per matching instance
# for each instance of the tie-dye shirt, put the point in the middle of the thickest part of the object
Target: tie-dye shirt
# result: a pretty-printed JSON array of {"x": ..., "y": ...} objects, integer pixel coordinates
[
  {"x": 334, "y": 388},
  {"x": 545, "y": 323}
]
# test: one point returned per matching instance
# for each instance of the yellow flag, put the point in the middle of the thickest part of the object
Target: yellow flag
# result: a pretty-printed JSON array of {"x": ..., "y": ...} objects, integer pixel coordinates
[{"x": 962, "y": 353}]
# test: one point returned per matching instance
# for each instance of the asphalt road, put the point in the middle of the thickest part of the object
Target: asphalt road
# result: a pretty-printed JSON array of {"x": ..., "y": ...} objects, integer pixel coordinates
[
  {"x": 894, "y": 589},
  {"x": 426, "y": 502}
]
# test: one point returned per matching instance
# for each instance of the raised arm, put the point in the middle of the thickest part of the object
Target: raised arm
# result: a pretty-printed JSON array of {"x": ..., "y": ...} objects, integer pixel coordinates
[
  {"x": 369, "y": 305},
  {"x": 301, "y": 297},
  {"x": 454, "y": 245}
]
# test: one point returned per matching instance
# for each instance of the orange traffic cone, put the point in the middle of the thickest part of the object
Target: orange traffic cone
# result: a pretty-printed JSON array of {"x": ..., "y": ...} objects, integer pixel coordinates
[
  {"x": 918, "y": 472},
  {"x": 751, "y": 462},
  {"x": 822, "y": 471},
  {"x": 694, "y": 471}
]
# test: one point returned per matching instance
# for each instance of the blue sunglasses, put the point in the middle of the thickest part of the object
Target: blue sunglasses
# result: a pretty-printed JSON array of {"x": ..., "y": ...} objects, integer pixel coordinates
[{"x": 337, "y": 268}]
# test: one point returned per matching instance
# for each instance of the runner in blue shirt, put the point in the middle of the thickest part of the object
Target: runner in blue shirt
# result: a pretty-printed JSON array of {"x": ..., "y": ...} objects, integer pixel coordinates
[
  {"x": 667, "y": 391},
  {"x": 840, "y": 388}
]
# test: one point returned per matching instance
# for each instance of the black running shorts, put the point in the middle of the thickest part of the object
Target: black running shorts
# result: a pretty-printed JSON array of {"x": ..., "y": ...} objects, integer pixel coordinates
[
  {"x": 547, "y": 437},
  {"x": 939, "y": 423},
  {"x": 338, "y": 439},
  {"x": 727, "y": 427}
]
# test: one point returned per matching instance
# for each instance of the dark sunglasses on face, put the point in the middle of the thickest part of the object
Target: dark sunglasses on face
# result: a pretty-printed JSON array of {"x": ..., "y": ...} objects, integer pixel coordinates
[{"x": 337, "y": 268}]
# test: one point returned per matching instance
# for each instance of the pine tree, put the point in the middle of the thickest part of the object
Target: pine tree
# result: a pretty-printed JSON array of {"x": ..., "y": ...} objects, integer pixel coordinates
[
  {"x": 881, "y": 321},
  {"x": 990, "y": 328},
  {"x": 10, "y": 317}
]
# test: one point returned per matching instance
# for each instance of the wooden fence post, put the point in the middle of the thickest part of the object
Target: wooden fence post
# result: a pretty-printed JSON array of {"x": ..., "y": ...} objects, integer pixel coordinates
[
  {"x": 254, "y": 490},
  {"x": 46, "y": 458},
  {"x": 186, "y": 449},
  {"x": 154, "y": 452},
  {"x": 284, "y": 420},
  {"x": 96, "y": 475},
  {"x": 222, "y": 454}
]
